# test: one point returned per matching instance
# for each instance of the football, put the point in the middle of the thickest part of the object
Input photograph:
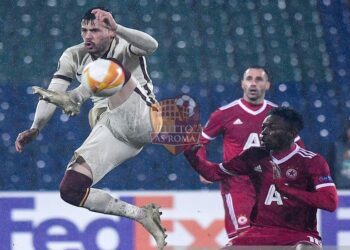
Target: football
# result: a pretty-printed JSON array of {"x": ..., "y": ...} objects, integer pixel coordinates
[{"x": 103, "y": 77}]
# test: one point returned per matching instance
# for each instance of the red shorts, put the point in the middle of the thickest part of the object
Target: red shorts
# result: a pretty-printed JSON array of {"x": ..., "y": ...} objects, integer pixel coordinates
[
  {"x": 275, "y": 236},
  {"x": 239, "y": 199}
]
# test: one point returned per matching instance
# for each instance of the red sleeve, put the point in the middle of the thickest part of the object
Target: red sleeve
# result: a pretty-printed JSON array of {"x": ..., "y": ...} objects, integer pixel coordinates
[
  {"x": 319, "y": 173},
  {"x": 209, "y": 170},
  {"x": 324, "y": 195},
  {"x": 212, "y": 128}
]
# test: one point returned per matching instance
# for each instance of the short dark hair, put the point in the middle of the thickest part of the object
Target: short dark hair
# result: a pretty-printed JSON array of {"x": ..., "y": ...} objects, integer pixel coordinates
[
  {"x": 258, "y": 67},
  {"x": 88, "y": 16},
  {"x": 292, "y": 117}
]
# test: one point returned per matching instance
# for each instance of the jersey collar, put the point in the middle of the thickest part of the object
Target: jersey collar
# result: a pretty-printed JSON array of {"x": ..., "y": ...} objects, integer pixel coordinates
[
  {"x": 249, "y": 110},
  {"x": 284, "y": 156}
]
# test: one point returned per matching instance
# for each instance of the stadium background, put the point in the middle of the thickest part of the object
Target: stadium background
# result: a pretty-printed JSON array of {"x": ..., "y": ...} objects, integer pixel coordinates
[{"x": 204, "y": 47}]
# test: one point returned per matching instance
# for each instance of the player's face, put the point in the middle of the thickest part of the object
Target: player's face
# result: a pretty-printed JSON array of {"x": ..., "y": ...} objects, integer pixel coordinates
[
  {"x": 254, "y": 85},
  {"x": 276, "y": 133},
  {"x": 97, "y": 37}
]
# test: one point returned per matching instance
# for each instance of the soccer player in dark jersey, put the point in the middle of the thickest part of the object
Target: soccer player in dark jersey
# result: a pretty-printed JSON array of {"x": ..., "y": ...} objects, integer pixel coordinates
[{"x": 291, "y": 183}]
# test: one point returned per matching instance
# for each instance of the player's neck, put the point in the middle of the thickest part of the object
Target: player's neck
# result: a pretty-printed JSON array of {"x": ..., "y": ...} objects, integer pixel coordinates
[
  {"x": 250, "y": 103},
  {"x": 279, "y": 154}
]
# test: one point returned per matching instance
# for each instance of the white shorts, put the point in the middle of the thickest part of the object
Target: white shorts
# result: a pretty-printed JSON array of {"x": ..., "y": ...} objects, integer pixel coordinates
[{"x": 118, "y": 136}]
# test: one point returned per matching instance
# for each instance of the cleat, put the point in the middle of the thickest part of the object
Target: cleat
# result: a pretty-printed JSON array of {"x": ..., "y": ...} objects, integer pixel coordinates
[
  {"x": 153, "y": 225},
  {"x": 60, "y": 99}
]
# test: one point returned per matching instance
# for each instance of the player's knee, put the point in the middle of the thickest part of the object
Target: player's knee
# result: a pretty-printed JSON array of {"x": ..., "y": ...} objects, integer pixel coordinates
[{"x": 73, "y": 187}]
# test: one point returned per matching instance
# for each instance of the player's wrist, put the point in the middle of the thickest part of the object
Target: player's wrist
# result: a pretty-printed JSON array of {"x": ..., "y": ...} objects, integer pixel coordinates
[{"x": 35, "y": 130}]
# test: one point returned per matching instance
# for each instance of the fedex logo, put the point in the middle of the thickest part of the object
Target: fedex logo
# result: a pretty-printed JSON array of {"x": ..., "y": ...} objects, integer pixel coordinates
[
  {"x": 41, "y": 235},
  {"x": 62, "y": 230}
]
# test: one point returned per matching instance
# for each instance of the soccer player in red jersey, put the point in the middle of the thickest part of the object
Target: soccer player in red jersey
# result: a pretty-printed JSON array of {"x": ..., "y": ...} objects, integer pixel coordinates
[
  {"x": 291, "y": 183},
  {"x": 240, "y": 124}
]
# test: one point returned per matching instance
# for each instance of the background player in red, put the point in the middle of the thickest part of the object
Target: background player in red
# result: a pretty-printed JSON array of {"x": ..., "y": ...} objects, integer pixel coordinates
[
  {"x": 240, "y": 124},
  {"x": 291, "y": 183}
]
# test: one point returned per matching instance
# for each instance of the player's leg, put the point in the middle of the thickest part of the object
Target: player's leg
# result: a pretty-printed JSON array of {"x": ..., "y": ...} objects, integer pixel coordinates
[{"x": 98, "y": 155}]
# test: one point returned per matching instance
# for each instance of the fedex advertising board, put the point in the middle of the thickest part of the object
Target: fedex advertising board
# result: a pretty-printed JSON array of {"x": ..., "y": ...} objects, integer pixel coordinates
[{"x": 40, "y": 221}]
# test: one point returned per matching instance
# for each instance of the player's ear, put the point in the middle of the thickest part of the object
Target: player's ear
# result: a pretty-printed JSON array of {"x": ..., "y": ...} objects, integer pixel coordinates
[
  {"x": 292, "y": 134},
  {"x": 268, "y": 85},
  {"x": 112, "y": 33}
]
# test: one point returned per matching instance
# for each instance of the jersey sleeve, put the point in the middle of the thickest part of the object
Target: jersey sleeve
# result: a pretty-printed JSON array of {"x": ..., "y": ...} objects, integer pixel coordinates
[
  {"x": 66, "y": 69},
  {"x": 320, "y": 173},
  {"x": 213, "y": 127}
]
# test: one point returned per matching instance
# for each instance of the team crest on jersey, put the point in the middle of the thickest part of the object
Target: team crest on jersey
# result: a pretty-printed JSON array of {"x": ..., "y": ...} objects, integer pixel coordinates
[
  {"x": 180, "y": 124},
  {"x": 242, "y": 219},
  {"x": 291, "y": 173}
]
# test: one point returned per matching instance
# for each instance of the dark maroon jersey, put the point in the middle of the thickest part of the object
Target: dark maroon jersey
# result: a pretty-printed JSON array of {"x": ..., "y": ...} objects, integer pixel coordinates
[{"x": 302, "y": 169}]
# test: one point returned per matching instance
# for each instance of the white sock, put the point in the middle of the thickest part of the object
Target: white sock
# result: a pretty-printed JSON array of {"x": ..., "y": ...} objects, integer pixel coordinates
[{"x": 102, "y": 202}]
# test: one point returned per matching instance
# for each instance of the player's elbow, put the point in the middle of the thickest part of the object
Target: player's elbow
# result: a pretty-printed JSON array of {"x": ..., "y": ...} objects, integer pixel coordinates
[
  {"x": 152, "y": 47},
  {"x": 332, "y": 203}
]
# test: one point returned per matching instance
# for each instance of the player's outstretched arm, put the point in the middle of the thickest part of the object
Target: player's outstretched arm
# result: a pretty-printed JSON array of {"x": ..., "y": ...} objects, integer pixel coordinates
[
  {"x": 43, "y": 114},
  {"x": 25, "y": 137},
  {"x": 324, "y": 198},
  {"x": 210, "y": 171},
  {"x": 325, "y": 194},
  {"x": 142, "y": 43}
]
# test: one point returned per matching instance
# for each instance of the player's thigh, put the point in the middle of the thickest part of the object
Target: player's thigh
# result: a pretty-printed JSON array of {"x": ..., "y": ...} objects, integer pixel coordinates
[{"x": 102, "y": 152}]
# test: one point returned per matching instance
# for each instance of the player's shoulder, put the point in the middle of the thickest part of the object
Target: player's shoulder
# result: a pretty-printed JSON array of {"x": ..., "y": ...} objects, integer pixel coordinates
[
  {"x": 304, "y": 153},
  {"x": 229, "y": 106},
  {"x": 255, "y": 153},
  {"x": 75, "y": 51},
  {"x": 78, "y": 48},
  {"x": 270, "y": 104},
  {"x": 310, "y": 158}
]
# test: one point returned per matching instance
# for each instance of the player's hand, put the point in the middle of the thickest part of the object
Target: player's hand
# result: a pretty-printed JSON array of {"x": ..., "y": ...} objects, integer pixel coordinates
[
  {"x": 192, "y": 149},
  {"x": 281, "y": 184},
  {"x": 204, "y": 181},
  {"x": 106, "y": 17},
  {"x": 25, "y": 137}
]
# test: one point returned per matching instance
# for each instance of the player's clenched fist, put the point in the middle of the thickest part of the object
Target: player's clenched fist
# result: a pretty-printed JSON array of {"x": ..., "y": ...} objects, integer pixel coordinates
[{"x": 25, "y": 137}]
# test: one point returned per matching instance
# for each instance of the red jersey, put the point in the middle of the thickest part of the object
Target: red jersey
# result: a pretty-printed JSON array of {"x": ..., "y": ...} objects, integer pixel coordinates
[
  {"x": 240, "y": 124},
  {"x": 302, "y": 169}
]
